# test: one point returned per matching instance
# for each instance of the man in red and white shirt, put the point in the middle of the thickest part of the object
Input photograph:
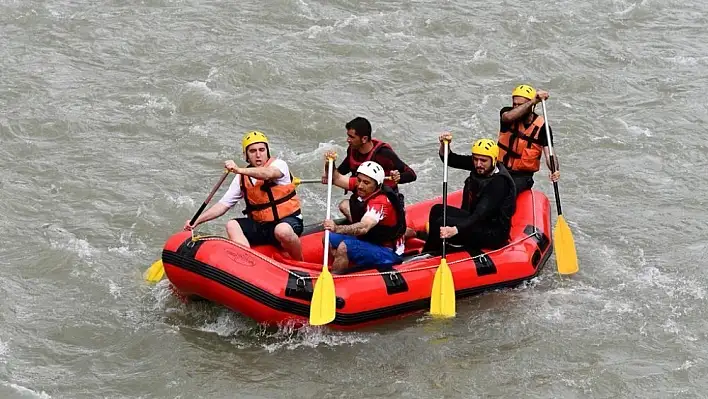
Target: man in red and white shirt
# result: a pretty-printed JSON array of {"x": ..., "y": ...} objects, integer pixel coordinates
[{"x": 376, "y": 235}]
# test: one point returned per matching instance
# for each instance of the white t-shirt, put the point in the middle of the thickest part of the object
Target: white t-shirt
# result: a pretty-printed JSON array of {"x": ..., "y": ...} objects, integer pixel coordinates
[{"x": 234, "y": 192}]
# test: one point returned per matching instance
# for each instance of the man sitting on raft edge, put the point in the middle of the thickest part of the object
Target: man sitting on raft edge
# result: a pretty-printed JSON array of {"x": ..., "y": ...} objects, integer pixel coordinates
[
  {"x": 375, "y": 237},
  {"x": 488, "y": 202}
]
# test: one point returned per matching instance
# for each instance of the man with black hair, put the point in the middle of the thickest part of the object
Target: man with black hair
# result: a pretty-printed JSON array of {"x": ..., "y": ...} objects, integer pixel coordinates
[{"x": 362, "y": 148}]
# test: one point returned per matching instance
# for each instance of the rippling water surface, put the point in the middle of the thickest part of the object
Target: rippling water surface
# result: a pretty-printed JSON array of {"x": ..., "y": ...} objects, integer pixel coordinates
[{"x": 116, "y": 118}]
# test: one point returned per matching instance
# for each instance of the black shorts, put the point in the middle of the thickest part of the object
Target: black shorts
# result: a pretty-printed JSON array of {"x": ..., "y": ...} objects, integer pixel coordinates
[
  {"x": 264, "y": 233},
  {"x": 522, "y": 181}
]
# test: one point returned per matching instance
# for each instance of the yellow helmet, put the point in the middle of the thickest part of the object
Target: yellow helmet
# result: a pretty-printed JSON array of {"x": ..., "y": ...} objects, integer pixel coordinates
[
  {"x": 253, "y": 137},
  {"x": 486, "y": 147},
  {"x": 524, "y": 91}
]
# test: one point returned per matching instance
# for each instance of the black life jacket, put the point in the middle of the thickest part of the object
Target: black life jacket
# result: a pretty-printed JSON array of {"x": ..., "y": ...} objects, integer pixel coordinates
[
  {"x": 475, "y": 186},
  {"x": 381, "y": 235}
]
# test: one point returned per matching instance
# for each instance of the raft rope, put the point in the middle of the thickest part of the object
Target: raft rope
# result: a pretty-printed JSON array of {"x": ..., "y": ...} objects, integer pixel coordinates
[{"x": 371, "y": 274}]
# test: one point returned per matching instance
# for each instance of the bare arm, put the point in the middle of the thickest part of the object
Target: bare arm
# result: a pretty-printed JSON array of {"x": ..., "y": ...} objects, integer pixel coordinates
[
  {"x": 359, "y": 228},
  {"x": 213, "y": 212},
  {"x": 261, "y": 173},
  {"x": 546, "y": 154},
  {"x": 518, "y": 112},
  {"x": 340, "y": 180}
]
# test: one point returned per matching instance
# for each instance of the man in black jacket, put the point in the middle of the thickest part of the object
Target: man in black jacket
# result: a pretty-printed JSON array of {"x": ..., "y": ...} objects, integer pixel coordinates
[{"x": 488, "y": 203}]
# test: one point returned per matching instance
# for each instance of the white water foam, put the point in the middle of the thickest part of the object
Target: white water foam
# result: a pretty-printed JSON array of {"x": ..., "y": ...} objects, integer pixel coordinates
[
  {"x": 114, "y": 289},
  {"x": 472, "y": 123},
  {"x": 60, "y": 238},
  {"x": 163, "y": 295},
  {"x": 245, "y": 334},
  {"x": 227, "y": 324},
  {"x": 201, "y": 87},
  {"x": 130, "y": 246},
  {"x": 311, "y": 337},
  {"x": 157, "y": 103},
  {"x": 4, "y": 351},
  {"x": 635, "y": 130},
  {"x": 26, "y": 392},
  {"x": 181, "y": 200}
]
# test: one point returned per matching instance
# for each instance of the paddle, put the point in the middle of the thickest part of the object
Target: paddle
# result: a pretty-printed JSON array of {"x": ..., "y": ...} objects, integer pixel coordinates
[
  {"x": 157, "y": 270},
  {"x": 323, "y": 305},
  {"x": 442, "y": 297},
  {"x": 297, "y": 181},
  {"x": 564, "y": 244}
]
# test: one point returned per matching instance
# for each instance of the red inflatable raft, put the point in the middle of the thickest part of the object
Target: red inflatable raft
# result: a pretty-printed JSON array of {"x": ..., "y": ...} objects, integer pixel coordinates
[{"x": 271, "y": 288}]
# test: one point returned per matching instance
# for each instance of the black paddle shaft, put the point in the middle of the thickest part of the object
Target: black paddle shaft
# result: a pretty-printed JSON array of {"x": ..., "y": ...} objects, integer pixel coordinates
[
  {"x": 204, "y": 204},
  {"x": 555, "y": 185},
  {"x": 549, "y": 139},
  {"x": 444, "y": 246}
]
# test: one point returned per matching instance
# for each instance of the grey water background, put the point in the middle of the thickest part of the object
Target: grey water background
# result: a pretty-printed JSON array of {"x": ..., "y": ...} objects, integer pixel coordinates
[{"x": 116, "y": 117}]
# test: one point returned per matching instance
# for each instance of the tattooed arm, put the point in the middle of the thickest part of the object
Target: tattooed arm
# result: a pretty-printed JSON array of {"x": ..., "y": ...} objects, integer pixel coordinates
[{"x": 356, "y": 229}]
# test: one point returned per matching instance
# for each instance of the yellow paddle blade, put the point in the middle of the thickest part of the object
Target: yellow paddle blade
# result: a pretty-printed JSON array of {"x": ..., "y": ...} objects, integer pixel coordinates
[
  {"x": 155, "y": 272},
  {"x": 564, "y": 245},
  {"x": 323, "y": 305},
  {"x": 442, "y": 298}
]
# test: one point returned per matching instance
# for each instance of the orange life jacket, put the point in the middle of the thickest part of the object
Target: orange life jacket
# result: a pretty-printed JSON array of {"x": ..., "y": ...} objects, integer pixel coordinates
[
  {"x": 519, "y": 148},
  {"x": 267, "y": 201}
]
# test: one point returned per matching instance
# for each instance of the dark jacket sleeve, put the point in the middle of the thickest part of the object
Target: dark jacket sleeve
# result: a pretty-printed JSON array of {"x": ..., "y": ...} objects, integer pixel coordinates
[
  {"x": 407, "y": 173},
  {"x": 343, "y": 167},
  {"x": 457, "y": 161},
  {"x": 493, "y": 196}
]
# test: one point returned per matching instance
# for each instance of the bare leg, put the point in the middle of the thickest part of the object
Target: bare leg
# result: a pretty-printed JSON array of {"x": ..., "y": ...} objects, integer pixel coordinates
[
  {"x": 344, "y": 208},
  {"x": 289, "y": 240},
  {"x": 341, "y": 261},
  {"x": 233, "y": 229}
]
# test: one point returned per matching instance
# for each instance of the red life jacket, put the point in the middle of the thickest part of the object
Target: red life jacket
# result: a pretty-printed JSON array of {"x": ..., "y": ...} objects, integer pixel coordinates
[
  {"x": 354, "y": 164},
  {"x": 386, "y": 236}
]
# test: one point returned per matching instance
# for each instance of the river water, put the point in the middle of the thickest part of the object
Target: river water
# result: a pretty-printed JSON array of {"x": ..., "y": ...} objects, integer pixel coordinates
[{"x": 116, "y": 117}]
